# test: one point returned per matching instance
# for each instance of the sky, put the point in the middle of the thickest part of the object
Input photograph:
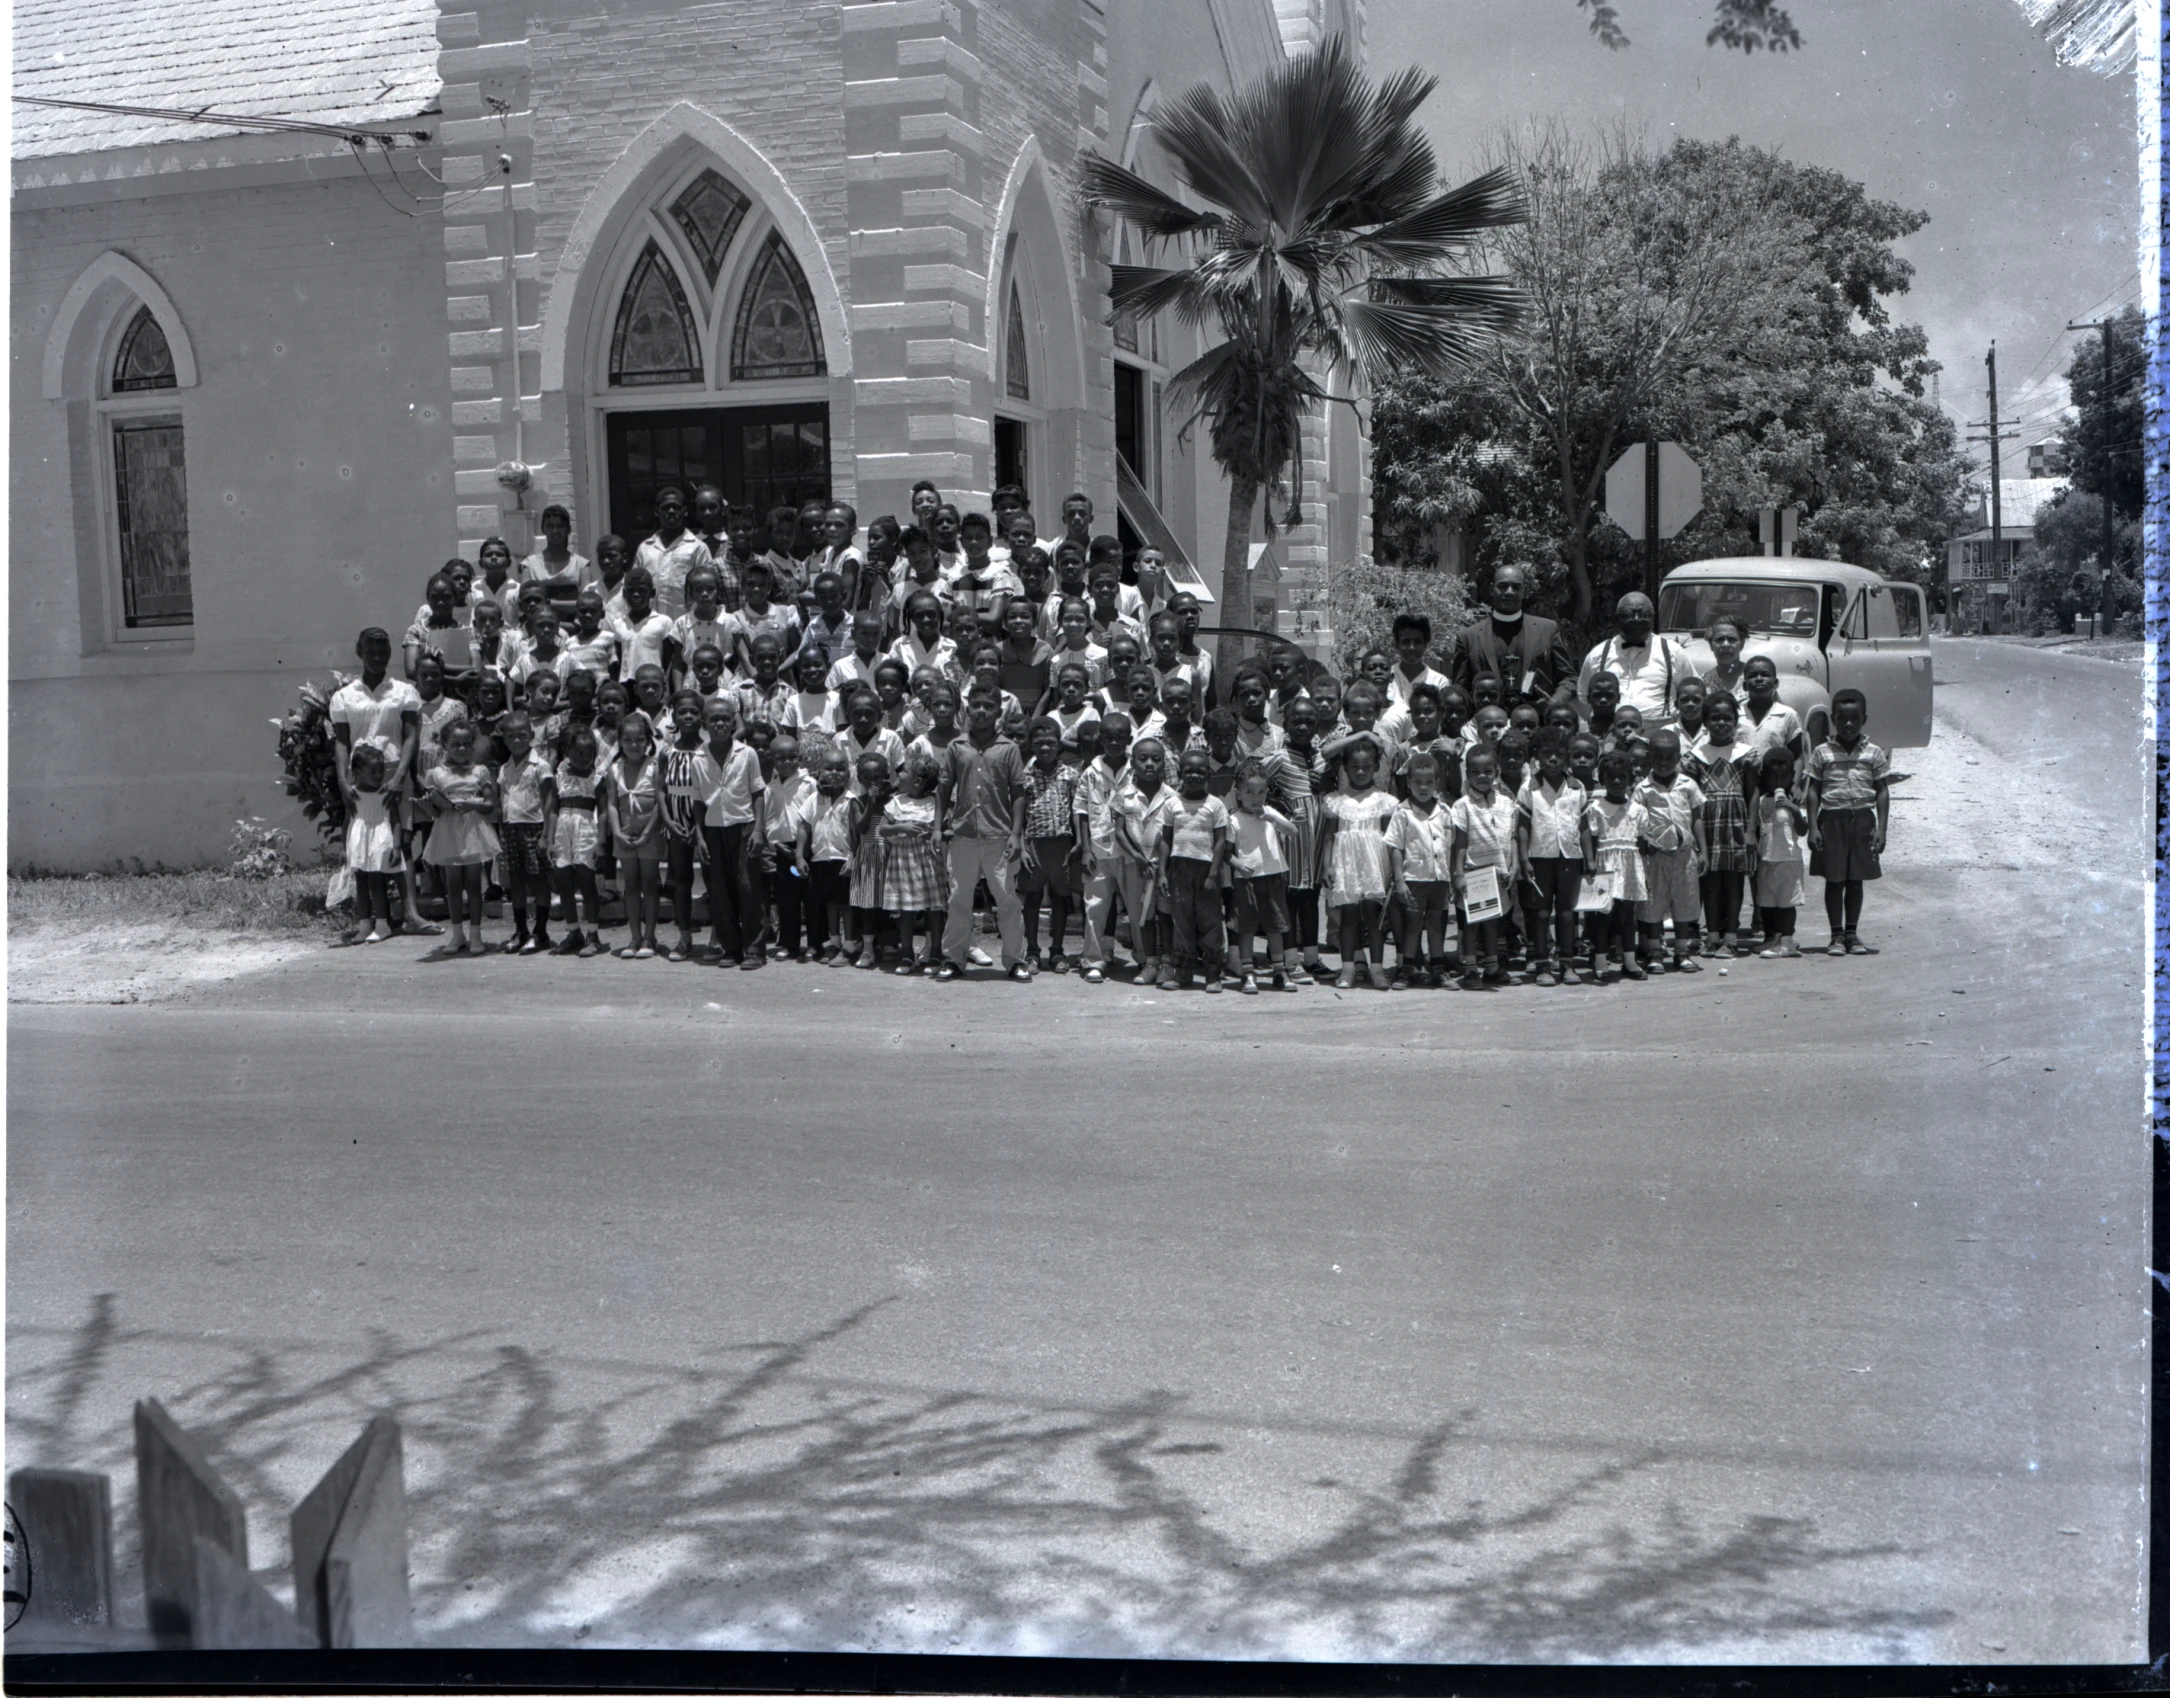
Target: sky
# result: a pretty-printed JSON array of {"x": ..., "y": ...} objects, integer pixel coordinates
[{"x": 2028, "y": 171}]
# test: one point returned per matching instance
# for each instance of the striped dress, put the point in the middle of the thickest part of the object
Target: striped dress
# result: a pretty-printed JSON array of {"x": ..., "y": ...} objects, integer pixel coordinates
[{"x": 1294, "y": 790}]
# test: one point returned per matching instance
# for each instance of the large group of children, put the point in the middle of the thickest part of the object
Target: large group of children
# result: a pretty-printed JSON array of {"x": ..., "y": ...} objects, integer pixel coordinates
[{"x": 863, "y": 748}]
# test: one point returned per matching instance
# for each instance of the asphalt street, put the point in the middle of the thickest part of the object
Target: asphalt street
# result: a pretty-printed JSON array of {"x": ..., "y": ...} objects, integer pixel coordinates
[{"x": 1793, "y": 1313}]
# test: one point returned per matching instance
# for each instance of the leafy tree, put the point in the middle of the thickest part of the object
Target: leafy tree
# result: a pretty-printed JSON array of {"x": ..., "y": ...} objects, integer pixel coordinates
[
  {"x": 1743, "y": 25},
  {"x": 2068, "y": 546},
  {"x": 1323, "y": 243},
  {"x": 2105, "y": 435},
  {"x": 1716, "y": 294},
  {"x": 1647, "y": 299}
]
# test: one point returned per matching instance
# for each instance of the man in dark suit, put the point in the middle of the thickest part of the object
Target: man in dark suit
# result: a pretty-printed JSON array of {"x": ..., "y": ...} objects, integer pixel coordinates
[{"x": 1525, "y": 652}]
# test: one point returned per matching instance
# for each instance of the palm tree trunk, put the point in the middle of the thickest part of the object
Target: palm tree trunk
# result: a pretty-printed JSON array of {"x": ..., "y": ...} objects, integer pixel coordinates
[{"x": 1236, "y": 570}]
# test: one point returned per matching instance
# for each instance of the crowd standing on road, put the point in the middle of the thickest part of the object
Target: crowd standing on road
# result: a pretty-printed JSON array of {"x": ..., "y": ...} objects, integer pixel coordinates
[{"x": 859, "y": 747}]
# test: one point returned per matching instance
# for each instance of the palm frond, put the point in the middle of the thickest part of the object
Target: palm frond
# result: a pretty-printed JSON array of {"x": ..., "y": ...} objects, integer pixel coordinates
[
  {"x": 1142, "y": 290},
  {"x": 1384, "y": 337},
  {"x": 1153, "y": 212},
  {"x": 1451, "y": 220},
  {"x": 1195, "y": 131},
  {"x": 1488, "y": 303}
]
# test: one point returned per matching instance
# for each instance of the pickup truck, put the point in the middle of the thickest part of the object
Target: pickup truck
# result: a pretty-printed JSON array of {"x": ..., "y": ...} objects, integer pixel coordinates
[{"x": 1829, "y": 627}]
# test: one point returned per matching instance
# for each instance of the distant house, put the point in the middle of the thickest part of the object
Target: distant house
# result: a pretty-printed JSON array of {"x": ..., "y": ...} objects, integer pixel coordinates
[{"x": 1972, "y": 558}]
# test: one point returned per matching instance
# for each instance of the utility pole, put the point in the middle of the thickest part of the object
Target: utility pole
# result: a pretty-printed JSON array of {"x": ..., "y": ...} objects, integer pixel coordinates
[
  {"x": 1650, "y": 518},
  {"x": 2108, "y": 327},
  {"x": 1997, "y": 436}
]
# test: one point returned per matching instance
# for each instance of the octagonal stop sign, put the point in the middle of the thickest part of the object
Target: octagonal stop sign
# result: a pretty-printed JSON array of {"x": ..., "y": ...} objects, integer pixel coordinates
[{"x": 1680, "y": 489}]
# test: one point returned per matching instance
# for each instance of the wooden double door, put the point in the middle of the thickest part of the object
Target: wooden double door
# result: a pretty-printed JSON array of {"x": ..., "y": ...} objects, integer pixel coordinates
[{"x": 762, "y": 457}]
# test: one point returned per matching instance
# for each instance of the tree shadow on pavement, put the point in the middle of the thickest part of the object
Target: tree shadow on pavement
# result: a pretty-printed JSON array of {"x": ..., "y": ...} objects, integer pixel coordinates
[{"x": 748, "y": 1499}]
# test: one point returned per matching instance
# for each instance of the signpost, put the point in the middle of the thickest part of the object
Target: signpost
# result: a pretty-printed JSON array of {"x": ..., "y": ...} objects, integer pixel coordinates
[{"x": 1652, "y": 491}]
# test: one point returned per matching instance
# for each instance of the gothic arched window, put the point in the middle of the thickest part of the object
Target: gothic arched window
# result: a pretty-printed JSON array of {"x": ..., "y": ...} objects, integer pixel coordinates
[
  {"x": 1016, "y": 362},
  {"x": 144, "y": 360},
  {"x": 709, "y": 212},
  {"x": 777, "y": 334},
  {"x": 655, "y": 341}
]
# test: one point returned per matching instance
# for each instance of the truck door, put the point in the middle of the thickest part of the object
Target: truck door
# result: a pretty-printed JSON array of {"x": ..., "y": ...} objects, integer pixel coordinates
[
  {"x": 1867, "y": 654},
  {"x": 1911, "y": 714}
]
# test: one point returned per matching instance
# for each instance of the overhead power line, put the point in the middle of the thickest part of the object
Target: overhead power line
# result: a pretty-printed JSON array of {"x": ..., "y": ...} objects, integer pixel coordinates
[{"x": 229, "y": 120}]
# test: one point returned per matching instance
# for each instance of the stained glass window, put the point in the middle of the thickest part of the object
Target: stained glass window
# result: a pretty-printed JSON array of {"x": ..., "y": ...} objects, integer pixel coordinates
[
  {"x": 655, "y": 341},
  {"x": 709, "y": 212},
  {"x": 150, "y": 479},
  {"x": 777, "y": 335},
  {"x": 1016, "y": 366},
  {"x": 144, "y": 360}
]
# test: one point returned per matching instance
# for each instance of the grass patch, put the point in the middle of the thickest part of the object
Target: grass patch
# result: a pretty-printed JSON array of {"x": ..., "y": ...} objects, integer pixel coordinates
[{"x": 289, "y": 905}]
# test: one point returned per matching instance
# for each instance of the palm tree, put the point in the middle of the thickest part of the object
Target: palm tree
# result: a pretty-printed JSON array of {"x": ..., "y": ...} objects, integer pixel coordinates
[{"x": 1323, "y": 243}]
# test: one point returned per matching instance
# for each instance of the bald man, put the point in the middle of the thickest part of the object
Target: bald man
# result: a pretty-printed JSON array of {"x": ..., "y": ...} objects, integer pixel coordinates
[{"x": 1649, "y": 665}]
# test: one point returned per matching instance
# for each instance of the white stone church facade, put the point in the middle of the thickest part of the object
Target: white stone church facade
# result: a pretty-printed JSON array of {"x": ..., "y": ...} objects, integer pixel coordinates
[{"x": 265, "y": 381}]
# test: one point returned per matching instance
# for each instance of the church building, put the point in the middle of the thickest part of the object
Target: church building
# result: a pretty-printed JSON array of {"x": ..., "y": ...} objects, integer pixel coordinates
[{"x": 311, "y": 295}]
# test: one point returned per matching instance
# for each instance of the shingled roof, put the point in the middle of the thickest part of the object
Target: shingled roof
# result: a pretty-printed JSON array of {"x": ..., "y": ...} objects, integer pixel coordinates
[{"x": 327, "y": 61}]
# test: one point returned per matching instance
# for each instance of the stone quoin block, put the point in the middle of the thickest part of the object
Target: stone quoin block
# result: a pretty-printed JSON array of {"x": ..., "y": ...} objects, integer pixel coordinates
[
  {"x": 180, "y": 1499},
  {"x": 66, "y": 1517}
]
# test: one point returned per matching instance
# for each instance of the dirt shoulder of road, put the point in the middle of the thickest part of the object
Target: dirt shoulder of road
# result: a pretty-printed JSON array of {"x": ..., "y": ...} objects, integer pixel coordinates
[{"x": 150, "y": 937}]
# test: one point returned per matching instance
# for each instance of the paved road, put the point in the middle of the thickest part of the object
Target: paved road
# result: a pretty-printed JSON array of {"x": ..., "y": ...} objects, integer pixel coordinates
[{"x": 1796, "y": 1313}]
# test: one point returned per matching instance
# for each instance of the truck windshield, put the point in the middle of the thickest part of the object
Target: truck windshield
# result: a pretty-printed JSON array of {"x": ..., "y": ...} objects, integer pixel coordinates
[{"x": 1767, "y": 609}]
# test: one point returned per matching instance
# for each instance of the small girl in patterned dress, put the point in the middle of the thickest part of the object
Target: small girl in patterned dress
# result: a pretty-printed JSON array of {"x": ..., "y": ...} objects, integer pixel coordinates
[
  {"x": 1355, "y": 857},
  {"x": 1612, "y": 827},
  {"x": 575, "y": 839},
  {"x": 1725, "y": 771},
  {"x": 462, "y": 843},
  {"x": 912, "y": 882}
]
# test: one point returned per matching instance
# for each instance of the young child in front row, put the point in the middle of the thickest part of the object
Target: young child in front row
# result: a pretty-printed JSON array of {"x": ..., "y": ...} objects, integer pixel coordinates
[
  {"x": 871, "y": 782},
  {"x": 1300, "y": 778},
  {"x": 1354, "y": 855},
  {"x": 575, "y": 836},
  {"x": 1486, "y": 853},
  {"x": 828, "y": 852},
  {"x": 1849, "y": 812},
  {"x": 1048, "y": 865},
  {"x": 787, "y": 835},
  {"x": 1141, "y": 810},
  {"x": 1612, "y": 829},
  {"x": 523, "y": 789},
  {"x": 1550, "y": 805},
  {"x": 462, "y": 844},
  {"x": 1258, "y": 858},
  {"x": 633, "y": 795},
  {"x": 1779, "y": 823},
  {"x": 1100, "y": 782},
  {"x": 1420, "y": 838},
  {"x": 914, "y": 884},
  {"x": 1193, "y": 849},
  {"x": 1725, "y": 770},
  {"x": 372, "y": 841},
  {"x": 1673, "y": 851},
  {"x": 683, "y": 807}
]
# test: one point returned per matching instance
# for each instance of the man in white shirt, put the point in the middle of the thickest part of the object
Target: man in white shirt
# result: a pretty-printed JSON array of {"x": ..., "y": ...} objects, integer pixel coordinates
[{"x": 1649, "y": 665}]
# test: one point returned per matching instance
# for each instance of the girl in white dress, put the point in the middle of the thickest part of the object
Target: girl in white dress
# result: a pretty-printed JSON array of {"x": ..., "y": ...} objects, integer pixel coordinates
[
  {"x": 1354, "y": 855},
  {"x": 372, "y": 842}
]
